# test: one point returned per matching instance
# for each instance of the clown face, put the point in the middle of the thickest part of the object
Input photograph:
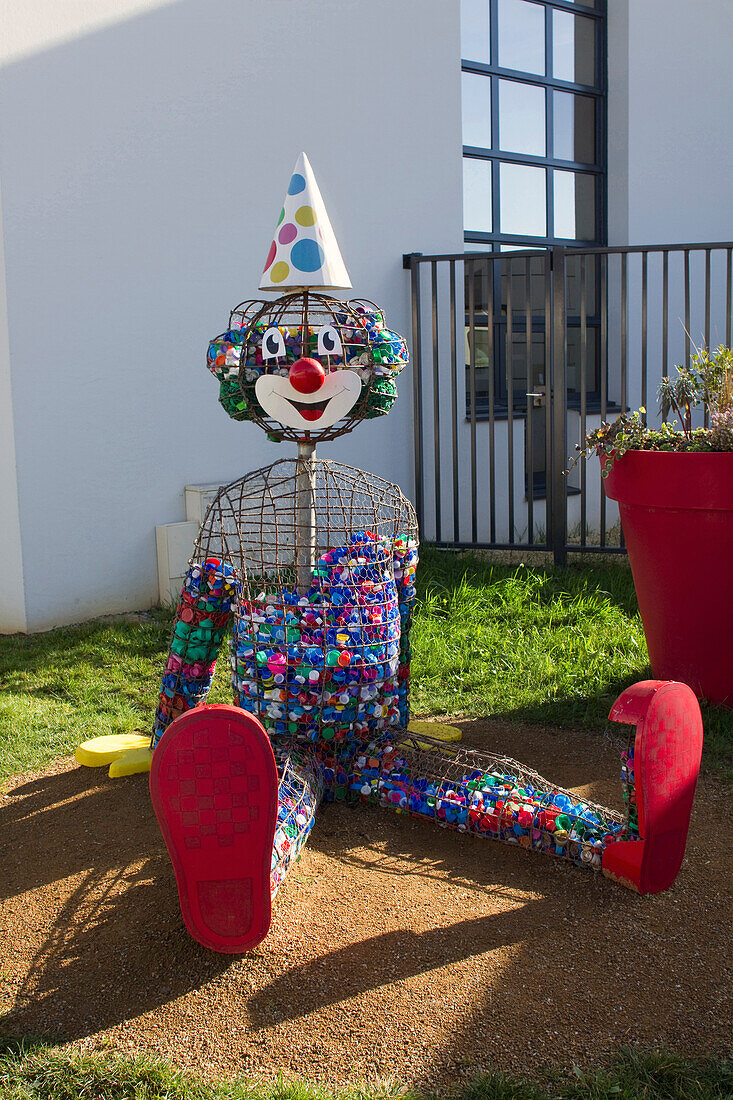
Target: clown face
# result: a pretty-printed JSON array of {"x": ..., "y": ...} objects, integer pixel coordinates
[
  {"x": 311, "y": 396},
  {"x": 307, "y": 367}
]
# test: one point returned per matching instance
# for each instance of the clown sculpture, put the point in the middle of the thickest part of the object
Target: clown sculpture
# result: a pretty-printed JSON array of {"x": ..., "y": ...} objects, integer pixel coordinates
[{"x": 310, "y": 566}]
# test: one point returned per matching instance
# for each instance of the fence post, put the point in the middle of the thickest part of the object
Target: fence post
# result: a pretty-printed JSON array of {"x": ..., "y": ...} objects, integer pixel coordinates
[
  {"x": 411, "y": 261},
  {"x": 559, "y": 398}
]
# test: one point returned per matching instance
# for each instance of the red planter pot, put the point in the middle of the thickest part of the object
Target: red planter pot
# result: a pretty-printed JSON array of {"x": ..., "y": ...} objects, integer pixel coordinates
[{"x": 677, "y": 517}]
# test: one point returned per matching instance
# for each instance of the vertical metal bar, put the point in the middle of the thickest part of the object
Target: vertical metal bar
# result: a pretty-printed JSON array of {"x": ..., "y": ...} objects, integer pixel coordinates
[
  {"x": 436, "y": 399},
  {"x": 529, "y": 449},
  {"x": 706, "y": 416},
  {"x": 417, "y": 390},
  {"x": 454, "y": 403},
  {"x": 559, "y": 409},
  {"x": 583, "y": 394},
  {"x": 490, "y": 350},
  {"x": 624, "y": 296},
  {"x": 687, "y": 307},
  {"x": 472, "y": 389},
  {"x": 729, "y": 296},
  {"x": 644, "y": 308},
  {"x": 549, "y": 487},
  {"x": 707, "y": 298},
  {"x": 624, "y": 340},
  {"x": 604, "y": 375},
  {"x": 509, "y": 398},
  {"x": 665, "y": 312}
]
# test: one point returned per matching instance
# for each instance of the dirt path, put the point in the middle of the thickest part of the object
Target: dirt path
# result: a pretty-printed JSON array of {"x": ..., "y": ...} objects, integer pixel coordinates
[{"x": 396, "y": 948}]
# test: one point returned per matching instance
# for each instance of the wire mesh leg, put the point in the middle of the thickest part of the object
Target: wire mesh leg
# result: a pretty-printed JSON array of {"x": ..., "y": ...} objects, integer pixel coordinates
[
  {"x": 483, "y": 794},
  {"x": 300, "y": 790}
]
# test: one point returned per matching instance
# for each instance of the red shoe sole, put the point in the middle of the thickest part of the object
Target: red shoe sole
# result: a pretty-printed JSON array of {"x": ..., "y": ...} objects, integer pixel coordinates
[
  {"x": 667, "y": 752},
  {"x": 213, "y": 783}
]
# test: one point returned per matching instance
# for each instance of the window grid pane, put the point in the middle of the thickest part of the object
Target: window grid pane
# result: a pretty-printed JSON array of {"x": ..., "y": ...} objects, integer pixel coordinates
[
  {"x": 575, "y": 205},
  {"x": 522, "y": 113},
  {"x": 475, "y": 38},
  {"x": 476, "y": 195},
  {"x": 574, "y": 127},
  {"x": 522, "y": 36},
  {"x": 476, "y": 110},
  {"x": 573, "y": 47},
  {"x": 523, "y": 200}
]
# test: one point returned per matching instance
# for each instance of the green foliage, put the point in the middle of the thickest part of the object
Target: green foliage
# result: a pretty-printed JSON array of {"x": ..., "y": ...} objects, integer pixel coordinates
[
  {"x": 29, "y": 1072},
  {"x": 707, "y": 381}
]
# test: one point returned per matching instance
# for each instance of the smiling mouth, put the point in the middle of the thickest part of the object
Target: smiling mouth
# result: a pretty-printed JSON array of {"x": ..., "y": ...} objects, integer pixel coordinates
[{"x": 311, "y": 410}]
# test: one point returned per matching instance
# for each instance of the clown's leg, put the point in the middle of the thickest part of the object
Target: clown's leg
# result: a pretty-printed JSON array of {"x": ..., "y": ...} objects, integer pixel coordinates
[
  {"x": 299, "y": 793},
  {"x": 483, "y": 794},
  {"x": 498, "y": 798},
  {"x": 215, "y": 789}
]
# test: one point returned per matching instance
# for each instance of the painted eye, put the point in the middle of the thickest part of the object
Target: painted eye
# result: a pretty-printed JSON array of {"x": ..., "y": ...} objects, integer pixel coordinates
[
  {"x": 329, "y": 341},
  {"x": 273, "y": 344}
]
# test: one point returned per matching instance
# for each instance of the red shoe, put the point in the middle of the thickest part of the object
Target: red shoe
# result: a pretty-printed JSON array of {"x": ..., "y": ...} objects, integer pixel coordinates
[
  {"x": 213, "y": 783},
  {"x": 667, "y": 752}
]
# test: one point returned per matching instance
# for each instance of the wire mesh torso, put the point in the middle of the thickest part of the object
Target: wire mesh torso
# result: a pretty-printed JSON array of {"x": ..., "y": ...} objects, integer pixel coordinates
[{"x": 319, "y": 560}]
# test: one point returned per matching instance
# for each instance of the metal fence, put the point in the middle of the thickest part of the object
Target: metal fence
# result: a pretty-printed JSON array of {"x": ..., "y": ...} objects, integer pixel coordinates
[{"x": 517, "y": 354}]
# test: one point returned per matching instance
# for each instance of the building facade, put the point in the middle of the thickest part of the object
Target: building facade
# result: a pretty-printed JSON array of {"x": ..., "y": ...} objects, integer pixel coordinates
[{"x": 143, "y": 145}]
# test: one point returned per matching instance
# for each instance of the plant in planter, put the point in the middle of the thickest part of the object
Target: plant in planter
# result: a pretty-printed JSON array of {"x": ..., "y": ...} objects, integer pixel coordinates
[{"x": 674, "y": 488}]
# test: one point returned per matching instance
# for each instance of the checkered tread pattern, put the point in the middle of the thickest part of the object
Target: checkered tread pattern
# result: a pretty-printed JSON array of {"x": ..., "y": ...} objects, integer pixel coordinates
[
  {"x": 209, "y": 788},
  {"x": 667, "y": 742},
  {"x": 669, "y": 762}
]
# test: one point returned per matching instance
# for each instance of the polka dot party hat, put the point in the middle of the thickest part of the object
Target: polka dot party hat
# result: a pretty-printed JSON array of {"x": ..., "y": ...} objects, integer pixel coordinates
[{"x": 304, "y": 251}]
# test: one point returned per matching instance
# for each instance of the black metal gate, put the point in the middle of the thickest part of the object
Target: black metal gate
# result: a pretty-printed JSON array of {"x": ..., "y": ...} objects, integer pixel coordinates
[{"x": 517, "y": 354}]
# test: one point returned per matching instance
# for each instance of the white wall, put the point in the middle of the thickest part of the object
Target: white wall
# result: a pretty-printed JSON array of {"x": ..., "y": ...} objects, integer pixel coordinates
[
  {"x": 670, "y": 121},
  {"x": 12, "y": 599},
  {"x": 670, "y": 167},
  {"x": 144, "y": 151}
]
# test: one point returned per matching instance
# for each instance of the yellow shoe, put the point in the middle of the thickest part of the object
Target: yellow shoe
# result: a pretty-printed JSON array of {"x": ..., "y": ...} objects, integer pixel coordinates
[
  {"x": 101, "y": 751},
  {"x": 132, "y": 762}
]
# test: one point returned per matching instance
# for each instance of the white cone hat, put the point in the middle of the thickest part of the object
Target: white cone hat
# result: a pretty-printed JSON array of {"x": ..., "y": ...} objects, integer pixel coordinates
[{"x": 304, "y": 251}]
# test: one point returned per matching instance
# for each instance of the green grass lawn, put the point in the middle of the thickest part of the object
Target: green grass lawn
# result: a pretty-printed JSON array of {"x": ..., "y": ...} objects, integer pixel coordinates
[
  {"x": 42, "y": 1074},
  {"x": 520, "y": 642}
]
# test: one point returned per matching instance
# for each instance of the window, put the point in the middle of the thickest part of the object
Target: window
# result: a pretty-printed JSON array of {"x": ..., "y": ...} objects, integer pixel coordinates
[
  {"x": 533, "y": 86},
  {"x": 534, "y": 110}
]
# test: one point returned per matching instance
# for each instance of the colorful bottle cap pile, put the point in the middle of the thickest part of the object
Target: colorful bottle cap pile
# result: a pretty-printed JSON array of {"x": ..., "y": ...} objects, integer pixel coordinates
[
  {"x": 368, "y": 347},
  {"x": 299, "y": 792},
  {"x": 489, "y": 803},
  {"x": 210, "y": 593},
  {"x": 332, "y": 664}
]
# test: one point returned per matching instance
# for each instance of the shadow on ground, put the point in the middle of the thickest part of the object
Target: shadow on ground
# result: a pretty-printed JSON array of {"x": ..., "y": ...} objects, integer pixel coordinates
[{"x": 397, "y": 946}]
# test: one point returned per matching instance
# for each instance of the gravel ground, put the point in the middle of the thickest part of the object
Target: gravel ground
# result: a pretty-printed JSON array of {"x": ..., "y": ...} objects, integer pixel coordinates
[{"x": 397, "y": 949}]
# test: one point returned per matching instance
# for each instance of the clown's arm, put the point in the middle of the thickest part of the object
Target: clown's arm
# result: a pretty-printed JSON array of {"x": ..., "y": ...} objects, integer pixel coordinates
[{"x": 203, "y": 617}]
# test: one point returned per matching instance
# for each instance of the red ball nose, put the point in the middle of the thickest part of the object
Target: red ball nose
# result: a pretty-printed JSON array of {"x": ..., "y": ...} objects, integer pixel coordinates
[{"x": 307, "y": 375}]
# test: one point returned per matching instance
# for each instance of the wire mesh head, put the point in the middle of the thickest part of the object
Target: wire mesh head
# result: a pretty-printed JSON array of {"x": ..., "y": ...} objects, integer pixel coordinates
[{"x": 359, "y": 355}]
